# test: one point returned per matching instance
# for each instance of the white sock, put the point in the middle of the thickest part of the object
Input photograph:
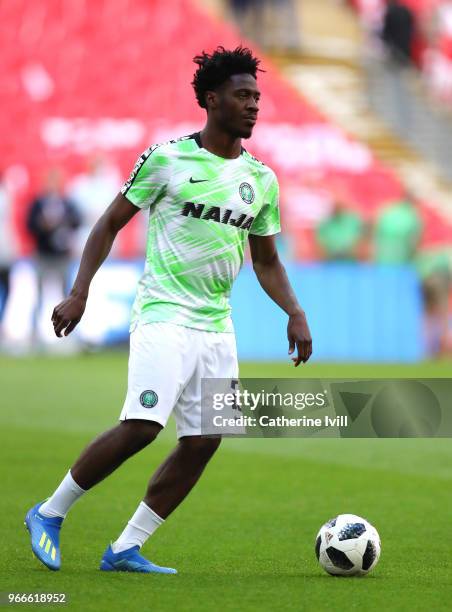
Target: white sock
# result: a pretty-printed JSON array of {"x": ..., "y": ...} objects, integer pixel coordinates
[
  {"x": 142, "y": 525},
  {"x": 63, "y": 499}
]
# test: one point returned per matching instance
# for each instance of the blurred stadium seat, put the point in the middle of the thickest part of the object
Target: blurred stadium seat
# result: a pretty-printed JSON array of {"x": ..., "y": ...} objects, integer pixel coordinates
[{"x": 76, "y": 74}]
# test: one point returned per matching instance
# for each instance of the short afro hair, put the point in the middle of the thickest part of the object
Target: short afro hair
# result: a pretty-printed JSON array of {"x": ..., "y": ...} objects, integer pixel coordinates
[{"x": 213, "y": 70}]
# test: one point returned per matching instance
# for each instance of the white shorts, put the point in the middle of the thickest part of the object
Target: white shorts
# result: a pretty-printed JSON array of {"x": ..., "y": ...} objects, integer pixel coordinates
[{"x": 166, "y": 365}]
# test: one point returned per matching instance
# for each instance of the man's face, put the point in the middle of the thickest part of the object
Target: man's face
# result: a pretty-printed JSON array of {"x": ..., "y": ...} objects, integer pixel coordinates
[{"x": 235, "y": 105}]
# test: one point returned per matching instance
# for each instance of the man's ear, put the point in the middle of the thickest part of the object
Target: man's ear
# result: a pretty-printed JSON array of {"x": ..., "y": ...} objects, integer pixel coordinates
[{"x": 211, "y": 99}]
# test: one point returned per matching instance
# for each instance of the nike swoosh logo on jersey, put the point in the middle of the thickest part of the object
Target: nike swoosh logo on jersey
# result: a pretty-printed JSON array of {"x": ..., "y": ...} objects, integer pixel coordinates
[{"x": 192, "y": 180}]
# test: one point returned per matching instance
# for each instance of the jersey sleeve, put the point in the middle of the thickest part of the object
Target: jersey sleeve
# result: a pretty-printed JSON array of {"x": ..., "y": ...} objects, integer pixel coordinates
[
  {"x": 267, "y": 220},
  {"x": 149, "y": 178}
]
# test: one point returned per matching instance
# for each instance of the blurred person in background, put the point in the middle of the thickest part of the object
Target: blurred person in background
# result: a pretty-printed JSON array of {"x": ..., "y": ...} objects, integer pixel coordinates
[
  {"x": 273, "y": 24},
  {"x": 89, "y": 192},
  {"x": 52, "y": 222},
  {"x": 340, "y": 235},
  {"x": 398, "y": 232},
  {"x": 8, "y": 246},
  {"x": 247, "y": 15},
  {"x": 435, "y": 272},
  {"x": 398, "y": 31},
  {"x": 241, "y": 8},
  {"x": 397, "y": 35}
]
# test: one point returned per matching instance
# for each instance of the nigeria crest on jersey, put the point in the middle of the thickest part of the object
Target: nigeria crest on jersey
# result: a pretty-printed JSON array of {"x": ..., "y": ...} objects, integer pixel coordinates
[{"x": 246, "y": 193}]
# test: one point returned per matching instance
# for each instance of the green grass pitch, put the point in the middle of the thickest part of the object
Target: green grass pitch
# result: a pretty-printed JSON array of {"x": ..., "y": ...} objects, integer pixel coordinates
[{"x": 244, "y": 538}]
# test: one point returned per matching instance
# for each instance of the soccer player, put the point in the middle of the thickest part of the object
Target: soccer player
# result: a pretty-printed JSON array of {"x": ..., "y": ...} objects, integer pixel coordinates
[{"x": 206, "y": 196}]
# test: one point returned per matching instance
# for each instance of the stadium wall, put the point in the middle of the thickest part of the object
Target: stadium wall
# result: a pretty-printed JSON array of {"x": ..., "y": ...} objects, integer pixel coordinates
[{"x": 357, "y": 312}]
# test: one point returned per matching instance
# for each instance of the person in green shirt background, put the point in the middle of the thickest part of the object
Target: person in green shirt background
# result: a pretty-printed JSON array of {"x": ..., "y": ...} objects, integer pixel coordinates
[
  {"x": 397, "y": 237},
  {"x": 397, "y": 233},
  {"x": 339, "y": 236}
]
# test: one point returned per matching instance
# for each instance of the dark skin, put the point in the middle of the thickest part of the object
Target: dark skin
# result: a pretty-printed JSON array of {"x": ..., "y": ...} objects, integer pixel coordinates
[{"x": 231, "y": 114}]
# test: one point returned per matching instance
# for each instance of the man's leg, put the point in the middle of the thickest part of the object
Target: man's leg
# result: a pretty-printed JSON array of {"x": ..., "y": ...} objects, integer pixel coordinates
[
  {"x": 177, "y": 475},
  {"x": 99, "y": 459},
  {"x": 111, "y": 449},
  {"x": 169, "y": 485}
]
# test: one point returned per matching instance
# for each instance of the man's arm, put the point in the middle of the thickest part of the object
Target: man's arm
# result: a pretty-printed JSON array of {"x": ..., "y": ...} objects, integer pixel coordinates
[
  {"x": 69, "y": 312},
  {"x": 273, "y": 279}
]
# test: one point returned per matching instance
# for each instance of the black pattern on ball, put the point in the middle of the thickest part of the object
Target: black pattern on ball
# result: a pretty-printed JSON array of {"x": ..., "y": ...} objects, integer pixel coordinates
[
  {"x": 338, "y": 558},
  {"x": 331, "y": 522},
  {"x": 351, "y": 531},
  {"x": 317, "y": 547},
  {"x": 370, "y": 555}
]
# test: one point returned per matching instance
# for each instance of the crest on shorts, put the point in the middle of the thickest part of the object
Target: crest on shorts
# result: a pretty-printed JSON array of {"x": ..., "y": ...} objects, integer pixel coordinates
[
  {"x": 149, "y": 399},
  {"x": 246, "y": 193}
]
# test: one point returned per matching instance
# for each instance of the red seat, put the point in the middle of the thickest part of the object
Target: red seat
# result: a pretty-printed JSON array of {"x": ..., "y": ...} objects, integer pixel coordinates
[{"x": 127, "y": 59}]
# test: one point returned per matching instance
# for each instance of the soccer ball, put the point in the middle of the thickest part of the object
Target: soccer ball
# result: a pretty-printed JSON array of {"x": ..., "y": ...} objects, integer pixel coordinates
[{"x": 347, "y": 545}]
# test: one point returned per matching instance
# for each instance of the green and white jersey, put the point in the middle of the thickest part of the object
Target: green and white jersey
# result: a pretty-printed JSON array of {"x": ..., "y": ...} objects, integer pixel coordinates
[{"x": 202, "y": 208}]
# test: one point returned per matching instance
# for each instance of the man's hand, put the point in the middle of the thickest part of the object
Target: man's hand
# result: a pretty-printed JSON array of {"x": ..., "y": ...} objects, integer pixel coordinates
[
  {"x": 299, "y": 335},
  {"x": 67, "y": 314}
]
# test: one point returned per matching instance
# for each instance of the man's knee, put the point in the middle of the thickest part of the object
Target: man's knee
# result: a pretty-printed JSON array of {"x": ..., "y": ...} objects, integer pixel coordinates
[
  {"x": 140, "y": 433},
  {"x": 202, "y": 448}
]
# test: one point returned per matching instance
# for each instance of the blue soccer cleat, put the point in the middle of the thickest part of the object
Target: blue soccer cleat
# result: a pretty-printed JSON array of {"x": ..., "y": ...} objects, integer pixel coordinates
[
  {"x": 45, "y": 537},
  {"x": 131, "y": 561}
]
